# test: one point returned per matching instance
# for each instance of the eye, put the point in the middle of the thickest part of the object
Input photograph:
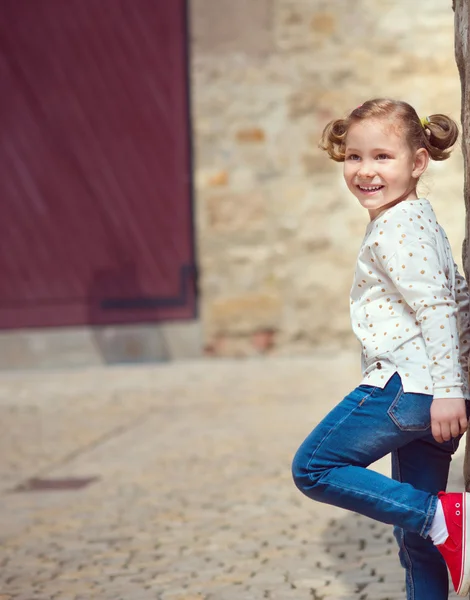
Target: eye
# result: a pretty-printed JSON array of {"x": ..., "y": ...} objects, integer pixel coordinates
[
  {"x": 382, "y": 156},
  {"x": 353, "y": 157}
]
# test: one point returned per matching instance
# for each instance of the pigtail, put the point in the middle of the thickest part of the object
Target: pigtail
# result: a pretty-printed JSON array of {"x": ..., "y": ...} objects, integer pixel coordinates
[
  {"x": 441, "y": 133},
  {"x": 332, "y": 139}
]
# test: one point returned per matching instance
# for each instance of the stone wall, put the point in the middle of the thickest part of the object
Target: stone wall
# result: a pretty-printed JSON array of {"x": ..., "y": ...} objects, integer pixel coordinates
[{"x": 277, "y": 231}]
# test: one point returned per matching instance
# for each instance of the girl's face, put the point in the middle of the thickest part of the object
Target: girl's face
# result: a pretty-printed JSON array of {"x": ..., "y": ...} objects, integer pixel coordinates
[{"x": 380, "y": 168}]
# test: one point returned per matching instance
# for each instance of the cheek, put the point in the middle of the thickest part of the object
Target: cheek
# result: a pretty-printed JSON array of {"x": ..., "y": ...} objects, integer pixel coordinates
[
  {"x": 349, "y": 178},
  {"x": 348, "y": 173}
]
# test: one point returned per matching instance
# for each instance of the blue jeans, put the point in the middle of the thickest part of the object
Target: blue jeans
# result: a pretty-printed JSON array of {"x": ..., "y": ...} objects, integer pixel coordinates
[{"x": 330, "y": 466}]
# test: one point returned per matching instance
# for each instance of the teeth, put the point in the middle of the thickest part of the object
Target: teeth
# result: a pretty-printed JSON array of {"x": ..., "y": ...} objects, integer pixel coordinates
[{"x": 371, "y": 189}]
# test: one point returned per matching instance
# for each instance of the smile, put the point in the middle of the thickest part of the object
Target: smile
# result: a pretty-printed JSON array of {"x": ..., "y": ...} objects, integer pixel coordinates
[{"x": 370, "y": 189}]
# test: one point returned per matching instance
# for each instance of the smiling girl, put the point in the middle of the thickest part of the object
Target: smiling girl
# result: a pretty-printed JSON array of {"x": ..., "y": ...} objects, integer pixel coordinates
[{"x": 410, "y": 312}]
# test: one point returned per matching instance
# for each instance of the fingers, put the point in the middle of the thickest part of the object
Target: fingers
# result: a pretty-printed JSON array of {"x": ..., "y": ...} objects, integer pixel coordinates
[
  {"x": 455, "y": 428},
  {"x": 463, "y": 424},
  {"x": 448, "y": 418},
  {"x": 436, "y": 431},
  {"x": 445, "y": 431}
]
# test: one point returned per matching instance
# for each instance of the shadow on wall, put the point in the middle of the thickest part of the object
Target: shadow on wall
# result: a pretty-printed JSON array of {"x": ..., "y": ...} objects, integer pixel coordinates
[{"x": 122, "y": 343}]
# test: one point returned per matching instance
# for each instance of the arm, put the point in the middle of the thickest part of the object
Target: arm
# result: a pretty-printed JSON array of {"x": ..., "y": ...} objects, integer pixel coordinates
[
  {"x": 416, "y": 271},
  {"x": 463, "y": 318}
]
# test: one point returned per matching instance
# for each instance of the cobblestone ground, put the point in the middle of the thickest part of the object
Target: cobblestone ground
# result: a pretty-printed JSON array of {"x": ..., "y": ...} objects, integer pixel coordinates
[{"x": 194, "y": 498}]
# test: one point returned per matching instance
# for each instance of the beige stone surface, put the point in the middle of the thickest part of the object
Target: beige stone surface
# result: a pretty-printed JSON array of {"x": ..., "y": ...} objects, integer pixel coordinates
[
  {"x": 272, "y": 212},
  {"x": 193, "y": 497}
]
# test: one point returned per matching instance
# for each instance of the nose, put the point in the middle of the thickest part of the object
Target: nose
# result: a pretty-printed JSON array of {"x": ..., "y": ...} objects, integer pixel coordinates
[{"x": 366, "y": 170}]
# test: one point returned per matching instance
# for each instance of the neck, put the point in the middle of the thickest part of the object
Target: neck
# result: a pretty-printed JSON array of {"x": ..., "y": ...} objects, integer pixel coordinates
[{"x": 409, "y": 195}]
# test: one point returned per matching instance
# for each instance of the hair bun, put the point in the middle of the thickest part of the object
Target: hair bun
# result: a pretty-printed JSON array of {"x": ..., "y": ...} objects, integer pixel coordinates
[
  {"x": 332, "y": 139},
  {"x": 441, "y": 134}
]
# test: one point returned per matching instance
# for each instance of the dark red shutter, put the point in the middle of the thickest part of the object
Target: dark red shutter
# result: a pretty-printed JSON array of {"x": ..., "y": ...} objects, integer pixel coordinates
[{"x": 95, "y": 185}]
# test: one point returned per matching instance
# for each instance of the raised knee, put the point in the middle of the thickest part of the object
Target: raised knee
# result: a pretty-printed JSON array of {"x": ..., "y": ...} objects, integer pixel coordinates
[{"x": 306, "y": 473}]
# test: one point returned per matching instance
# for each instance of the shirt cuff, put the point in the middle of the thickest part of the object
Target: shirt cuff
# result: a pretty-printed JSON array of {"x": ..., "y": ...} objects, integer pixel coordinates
[{"x": 448, "y": 392}]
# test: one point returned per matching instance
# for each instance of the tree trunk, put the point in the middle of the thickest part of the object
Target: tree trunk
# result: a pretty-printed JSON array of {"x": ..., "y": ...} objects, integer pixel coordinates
[{"x": 462, "y": 42}]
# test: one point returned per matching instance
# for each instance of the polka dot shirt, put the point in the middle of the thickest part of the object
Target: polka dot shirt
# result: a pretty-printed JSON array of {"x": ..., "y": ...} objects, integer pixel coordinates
[{"x": 410, "y": 305}]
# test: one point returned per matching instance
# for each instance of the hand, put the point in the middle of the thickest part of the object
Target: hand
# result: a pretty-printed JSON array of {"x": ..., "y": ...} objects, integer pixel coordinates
[{"x": 448, "y": 418}]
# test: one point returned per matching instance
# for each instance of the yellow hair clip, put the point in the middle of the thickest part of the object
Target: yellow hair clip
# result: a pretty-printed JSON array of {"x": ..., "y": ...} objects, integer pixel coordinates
[{"x": 425, "y": 121}]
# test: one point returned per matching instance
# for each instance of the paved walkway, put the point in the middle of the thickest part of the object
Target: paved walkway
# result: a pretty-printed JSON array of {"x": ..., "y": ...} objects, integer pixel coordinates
[{"x": 194, "y": 498}]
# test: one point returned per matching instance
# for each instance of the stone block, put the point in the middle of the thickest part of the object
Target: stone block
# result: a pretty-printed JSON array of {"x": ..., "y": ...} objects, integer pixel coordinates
[
  {"x": 48, "y": 348},
  {"x": 183, "y": 339},
  {"x": 323, "y": 23},
  {"x": 223, "y": 26},
  {"x": 301, "y": 25},
  {"x": 211, "y": 178},
  {"x": 251, "y": 135},
  {"x": 218, "y": 179},
  {"x": 245, "y": 313},
  {"x": 86, "y": 346},
  {"x": 236, "y": 211}
]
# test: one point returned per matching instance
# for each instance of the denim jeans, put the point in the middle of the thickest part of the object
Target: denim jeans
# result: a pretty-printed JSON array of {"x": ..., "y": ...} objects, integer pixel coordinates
[{"x": 331, "y": 466}]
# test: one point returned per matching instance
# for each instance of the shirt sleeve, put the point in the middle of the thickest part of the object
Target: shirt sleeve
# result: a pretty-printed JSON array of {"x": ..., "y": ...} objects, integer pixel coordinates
[
  {"x": 462, "y": 298},
  {"x": 417, "y": 273}
]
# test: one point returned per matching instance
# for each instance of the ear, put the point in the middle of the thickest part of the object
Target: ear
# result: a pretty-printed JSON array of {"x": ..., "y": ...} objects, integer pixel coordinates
[{"x": 421, "y": 162}]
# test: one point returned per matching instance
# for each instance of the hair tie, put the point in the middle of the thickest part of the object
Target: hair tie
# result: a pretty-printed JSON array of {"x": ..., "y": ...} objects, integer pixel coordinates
[{"x": 425, "y": 121}]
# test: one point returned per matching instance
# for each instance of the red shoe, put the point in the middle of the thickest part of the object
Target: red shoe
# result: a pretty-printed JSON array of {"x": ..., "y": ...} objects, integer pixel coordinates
[{"x": 455, "y": 549}]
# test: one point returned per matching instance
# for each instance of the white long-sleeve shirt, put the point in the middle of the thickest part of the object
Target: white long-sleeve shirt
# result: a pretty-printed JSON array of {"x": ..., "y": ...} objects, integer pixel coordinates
[{"x": 410, "y": 305}]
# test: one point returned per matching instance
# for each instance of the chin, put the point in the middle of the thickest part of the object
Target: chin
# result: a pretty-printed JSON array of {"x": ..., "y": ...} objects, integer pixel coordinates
[{"x": 372, "y": 205}]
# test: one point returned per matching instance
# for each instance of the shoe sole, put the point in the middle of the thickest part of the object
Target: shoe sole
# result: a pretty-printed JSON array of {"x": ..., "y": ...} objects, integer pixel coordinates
[{"x": 465, "y": 580}]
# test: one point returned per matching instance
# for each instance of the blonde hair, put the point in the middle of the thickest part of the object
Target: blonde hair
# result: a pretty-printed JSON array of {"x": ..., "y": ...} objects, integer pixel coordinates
[{"x": 437, "y": 133}]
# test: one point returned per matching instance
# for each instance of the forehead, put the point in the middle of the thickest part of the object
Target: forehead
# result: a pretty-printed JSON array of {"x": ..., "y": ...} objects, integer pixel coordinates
[{"x": 374, "y": 133}]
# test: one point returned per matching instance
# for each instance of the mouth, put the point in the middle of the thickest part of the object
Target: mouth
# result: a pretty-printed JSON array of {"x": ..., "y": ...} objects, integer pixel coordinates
[{"x": 370, "y": 189}]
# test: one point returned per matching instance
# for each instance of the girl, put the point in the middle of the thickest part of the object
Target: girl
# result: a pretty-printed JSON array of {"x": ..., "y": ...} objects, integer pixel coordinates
[{"x": 409, "y": 310}]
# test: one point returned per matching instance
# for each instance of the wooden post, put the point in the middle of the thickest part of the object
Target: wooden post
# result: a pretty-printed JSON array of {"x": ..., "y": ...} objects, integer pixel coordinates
[{"x": 462, "y": 56}]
